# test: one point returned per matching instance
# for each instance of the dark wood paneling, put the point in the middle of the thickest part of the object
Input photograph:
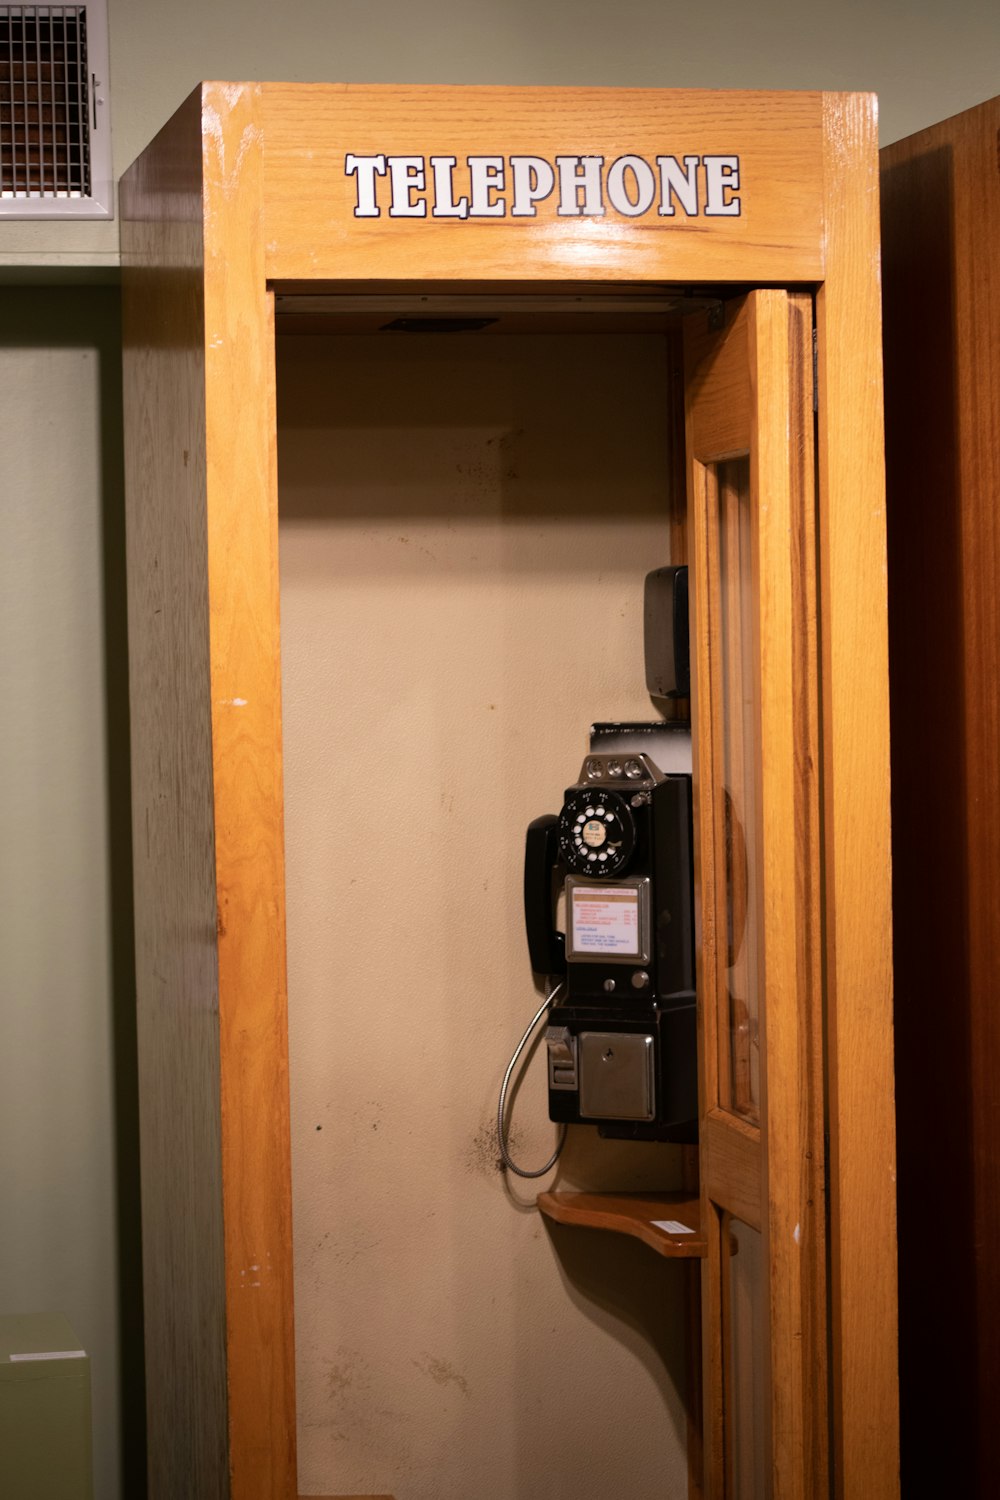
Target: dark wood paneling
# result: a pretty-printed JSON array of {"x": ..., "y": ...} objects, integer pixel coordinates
[
  {"x": 941, "y": 232},
  {"x": 172, "y": 815}
]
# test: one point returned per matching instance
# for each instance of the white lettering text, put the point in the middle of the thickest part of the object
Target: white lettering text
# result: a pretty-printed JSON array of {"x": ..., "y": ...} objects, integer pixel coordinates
[
  {"x": 445, "y": 206},
  {"x": 631, "y": 195},
  {"x": 407, "y": 175},
  {"x": 722, "y": 176},
  {"x": 365, "y": 167},
  {"x": 491, "y": 187},
  {"x": 534, "y": 180},
  {"x": 580, "y": 174}
]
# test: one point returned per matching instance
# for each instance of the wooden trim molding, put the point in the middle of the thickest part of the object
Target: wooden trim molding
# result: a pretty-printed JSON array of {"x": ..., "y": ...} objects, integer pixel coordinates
[
  {"x": 242, "y": 494},
  {"x": 855, "y": 802}
]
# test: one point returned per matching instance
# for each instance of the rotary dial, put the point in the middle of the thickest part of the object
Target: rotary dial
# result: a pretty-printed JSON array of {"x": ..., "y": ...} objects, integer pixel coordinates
[{"x": 596, "y": 832}]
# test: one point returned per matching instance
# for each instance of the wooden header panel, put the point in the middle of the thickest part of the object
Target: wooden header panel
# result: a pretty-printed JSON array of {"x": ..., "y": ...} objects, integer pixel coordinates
[{"x": 539, "y": 184}]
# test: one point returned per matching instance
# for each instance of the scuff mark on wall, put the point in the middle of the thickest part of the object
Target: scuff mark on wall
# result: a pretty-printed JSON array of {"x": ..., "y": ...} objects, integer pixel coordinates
[
  {"x": 483, "y": 1154},
  {"x": 441, "y": 1372}
]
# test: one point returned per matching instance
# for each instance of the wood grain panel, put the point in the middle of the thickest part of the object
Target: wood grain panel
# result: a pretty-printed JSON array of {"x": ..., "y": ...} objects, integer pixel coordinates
[
  {"x": 720, "y": 424},
  {"x": 242, "y": 542},
  {"x": 312, "y": 232},
  {"x": 730, "y": 1149},
  {"x": 856, "y": 814},
  {"x": 940, "y": 231},
  {"x": 803, "y": 1135},
  {"x": 173, "y": 818},
  {"x": 792, "y": 1009},
  {"x": 731, "y": 1162},
  {"x": 207, "y": 803}
]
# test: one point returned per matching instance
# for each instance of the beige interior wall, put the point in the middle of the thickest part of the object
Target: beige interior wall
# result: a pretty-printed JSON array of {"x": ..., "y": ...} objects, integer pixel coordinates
[{"x": 466, "y": 523}]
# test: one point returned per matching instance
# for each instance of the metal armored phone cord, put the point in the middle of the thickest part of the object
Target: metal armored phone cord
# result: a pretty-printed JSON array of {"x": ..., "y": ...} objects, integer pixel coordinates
[{"x": 508, "y": 1162}]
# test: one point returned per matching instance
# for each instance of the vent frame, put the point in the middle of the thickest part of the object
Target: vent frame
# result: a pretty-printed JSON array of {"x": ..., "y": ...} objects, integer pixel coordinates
[{"x": 24, "y": 197}]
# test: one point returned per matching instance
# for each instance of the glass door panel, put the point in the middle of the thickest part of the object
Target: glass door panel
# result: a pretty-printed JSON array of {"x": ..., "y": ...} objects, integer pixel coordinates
[{"x": 732, "y": 605}]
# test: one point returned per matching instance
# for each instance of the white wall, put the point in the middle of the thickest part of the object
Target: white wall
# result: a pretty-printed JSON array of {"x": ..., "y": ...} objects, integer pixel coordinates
[{"x": 66, "y": 1063}]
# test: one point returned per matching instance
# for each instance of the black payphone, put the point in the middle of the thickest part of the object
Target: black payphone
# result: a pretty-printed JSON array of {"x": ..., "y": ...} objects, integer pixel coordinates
[
  {"x": 621, "y": 1041},
  {"x": 622, "y": 1033}
]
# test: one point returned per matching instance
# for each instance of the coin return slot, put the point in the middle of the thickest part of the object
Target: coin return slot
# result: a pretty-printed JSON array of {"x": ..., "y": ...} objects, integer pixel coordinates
[{"x": 562, "y": 1059}]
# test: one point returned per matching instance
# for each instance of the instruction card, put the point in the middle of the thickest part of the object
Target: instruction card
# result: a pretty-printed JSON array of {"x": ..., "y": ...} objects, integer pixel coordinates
[{"x": 605, "y": 920}]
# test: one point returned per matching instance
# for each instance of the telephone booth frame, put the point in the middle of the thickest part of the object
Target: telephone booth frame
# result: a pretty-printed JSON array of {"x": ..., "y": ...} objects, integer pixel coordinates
[{"x": 250, "y": 190}]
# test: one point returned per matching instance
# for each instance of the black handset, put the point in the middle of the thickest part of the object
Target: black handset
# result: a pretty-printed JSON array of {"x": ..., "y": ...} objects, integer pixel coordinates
[
  {"x": 546, "y": 946},
  {"x": 622, "y": 1046}
]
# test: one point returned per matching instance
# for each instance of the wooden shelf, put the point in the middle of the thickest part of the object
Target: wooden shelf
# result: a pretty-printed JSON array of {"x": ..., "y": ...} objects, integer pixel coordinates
[{"x": 638, "y": 1214}]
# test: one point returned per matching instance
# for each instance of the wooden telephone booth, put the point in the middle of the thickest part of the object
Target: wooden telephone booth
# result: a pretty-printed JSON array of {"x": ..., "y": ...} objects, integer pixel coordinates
[{"x": 743, "y": 228}]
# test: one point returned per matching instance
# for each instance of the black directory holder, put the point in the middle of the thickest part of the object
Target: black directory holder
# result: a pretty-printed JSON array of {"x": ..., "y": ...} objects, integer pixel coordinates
[{"x": 667, "y": 633}]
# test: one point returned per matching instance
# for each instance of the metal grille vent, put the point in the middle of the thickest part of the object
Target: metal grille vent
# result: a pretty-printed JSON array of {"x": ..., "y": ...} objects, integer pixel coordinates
[{"x": 49, "y": 101}]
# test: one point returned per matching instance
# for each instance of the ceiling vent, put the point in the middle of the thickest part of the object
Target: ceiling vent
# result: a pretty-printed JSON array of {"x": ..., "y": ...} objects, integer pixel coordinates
[{"x": 55, "y": 138}]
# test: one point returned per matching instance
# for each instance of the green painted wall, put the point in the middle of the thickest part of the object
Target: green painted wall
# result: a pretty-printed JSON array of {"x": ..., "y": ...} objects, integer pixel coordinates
[
  {"x": 926, "y": 60},
  {"x": 67, "y": 1105},
  {"x": 68, "y": 1159}
]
